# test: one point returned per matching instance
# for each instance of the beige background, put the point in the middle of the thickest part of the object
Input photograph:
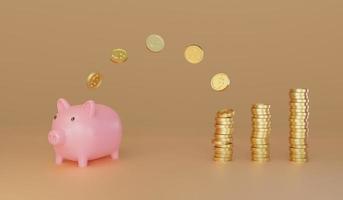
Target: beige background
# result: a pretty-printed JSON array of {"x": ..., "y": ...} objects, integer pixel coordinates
[{"x": 47, "y": 49}]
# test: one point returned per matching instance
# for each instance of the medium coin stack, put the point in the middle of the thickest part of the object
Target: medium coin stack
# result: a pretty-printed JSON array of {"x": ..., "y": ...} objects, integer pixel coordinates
[
  {"x": 261, "y": 122},
  {"x": 299, "y": 114},
  {"x": 223, "y": 135}
]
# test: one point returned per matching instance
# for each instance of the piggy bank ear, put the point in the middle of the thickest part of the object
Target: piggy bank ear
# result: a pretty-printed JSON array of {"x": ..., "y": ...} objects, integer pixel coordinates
[
  {"x": 62, "y": 105},
  {"x": 89, "y": 106}
]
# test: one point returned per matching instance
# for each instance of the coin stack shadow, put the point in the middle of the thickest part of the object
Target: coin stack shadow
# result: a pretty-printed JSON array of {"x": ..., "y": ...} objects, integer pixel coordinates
[
  {"x": 223, "y": 135},
  {"x": 261, "y": 123},
  {"x": 299, "y": 114}
]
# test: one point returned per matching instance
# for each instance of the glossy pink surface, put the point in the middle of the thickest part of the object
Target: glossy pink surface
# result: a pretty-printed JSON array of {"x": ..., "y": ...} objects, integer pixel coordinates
[{"x": 85, "y": 132}]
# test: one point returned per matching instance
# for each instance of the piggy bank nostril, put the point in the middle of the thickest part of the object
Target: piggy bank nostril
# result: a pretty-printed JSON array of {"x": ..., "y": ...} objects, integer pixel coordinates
[{"x": 56, "y": 137}]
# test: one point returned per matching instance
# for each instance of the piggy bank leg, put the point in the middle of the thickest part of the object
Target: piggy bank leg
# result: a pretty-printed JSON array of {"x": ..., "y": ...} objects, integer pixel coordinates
[
  {"x": 58, "y": 159},
  {"x": 82, "y": 162},
  {"x": 115, "y": 155}
]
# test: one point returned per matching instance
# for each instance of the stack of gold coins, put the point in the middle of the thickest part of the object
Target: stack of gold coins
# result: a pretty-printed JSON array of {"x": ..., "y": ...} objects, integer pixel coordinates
[
  {"x": 299, "y": 114},
  {"x": 261, "y": 122},
  {"x": 223, "y": 135}
]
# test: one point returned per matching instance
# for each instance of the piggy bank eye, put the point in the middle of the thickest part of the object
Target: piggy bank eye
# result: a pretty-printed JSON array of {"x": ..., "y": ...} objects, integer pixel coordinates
[
  {"x": 55, "y": 116},
  {"x": 72, "y": 119}
]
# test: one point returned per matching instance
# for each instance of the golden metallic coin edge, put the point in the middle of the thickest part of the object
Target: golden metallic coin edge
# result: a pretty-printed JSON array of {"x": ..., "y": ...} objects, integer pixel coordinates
[
  {"x": 91, "y": 76},
  {"x": 119, "y": 60}
]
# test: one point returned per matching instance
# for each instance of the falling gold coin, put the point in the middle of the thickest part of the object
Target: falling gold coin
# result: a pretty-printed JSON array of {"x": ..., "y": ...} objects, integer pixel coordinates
[
  {"x": 94, "y": 80},
  {"x": 119, "y": 56},
  {"x": 194, "y": 54},
  {"x": 154, "y": 43},
  {"x": 220, "y": 81}
]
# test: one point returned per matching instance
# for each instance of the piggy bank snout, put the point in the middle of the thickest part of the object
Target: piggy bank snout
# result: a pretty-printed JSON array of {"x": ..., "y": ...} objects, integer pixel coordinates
[{"x": 56, "y": 137}]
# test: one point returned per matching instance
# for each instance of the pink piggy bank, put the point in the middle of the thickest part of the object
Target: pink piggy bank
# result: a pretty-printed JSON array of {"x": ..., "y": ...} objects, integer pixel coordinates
[{"x": 85, "y": 132}]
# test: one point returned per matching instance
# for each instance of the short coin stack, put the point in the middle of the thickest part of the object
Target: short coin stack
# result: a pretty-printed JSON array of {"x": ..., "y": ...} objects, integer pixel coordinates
[
  {"x": 299, "y": 113},
  {"x": 261, "y": 122},
  {"x": 223, "y": 135}
]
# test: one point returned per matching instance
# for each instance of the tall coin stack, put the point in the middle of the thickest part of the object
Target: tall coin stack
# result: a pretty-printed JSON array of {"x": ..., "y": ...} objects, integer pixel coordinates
[
  {"x": 299, "y": 114},
  {"x": 261, "y": 122},
  {"x": 223, "y": 135}
]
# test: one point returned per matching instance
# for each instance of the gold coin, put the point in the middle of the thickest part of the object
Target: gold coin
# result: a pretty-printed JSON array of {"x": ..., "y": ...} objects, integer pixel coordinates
[
  {"x": 298, "y": 160},
  {"x": 259, "y": 141},
  {"x": 194, "y": 54},
  {"x": 226, "y": 119},
  {"x": 303, "y": 98},
  {"x": 261, "y": 136},
  {"x": 260, "y": 112},
  {"x": 223, "y": 132},
  {"x": 260, "y": 159},
  {"x": 262, "y": 126},
  {"x": 266, "y": 117},
  {"x": 298, "y": 150},
  {"x": 94, "y": 80},
  {"x": 299, "y": 90},
  {"x": 295, "y": 141},
  {"x": 221, "y": 142},
  {"x": 299, "y": 101},
  {"x": 297, "y": 134},
  {"x": 224, "y": 122},
  {"x": 299, "y": 109},
  {"x": 299, "y": 95},
  {"x": 259, "y": 146},
  {"x": 261, "y": 130},
  {"x": 292, "y": 126},
  {"x": 221, "y": 136},
  {"x": 223, "y": 148},
  {"x": 259, "y": 156},
  {"x": 257, "y": 120},
  {"x": 223, "y": 153},
  {"x": 298, "y": 156},
  {"x": 258, "y": 150},
  {"x": 299, "y": 113},
  {"x": 261, "y": 109},
  {"x": 299, "y": 122},
  {"x": 295, "y": 111},
  {"x": 299, "y": 104},
  {"x": 220, "y": 81},
  {"x": 119, "y": 56},
  {"x": 299, "y": 118},
  {"x": 155, "y": 43},
  {"x": 224, "y": 126},
  {"x": 261, "y": 105},
  {"x": 260, "y": 123},
  {"x": 222, "y": 159},
  {"x": 298, "y": 146},
  {"x": 226, "y": 112}
]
